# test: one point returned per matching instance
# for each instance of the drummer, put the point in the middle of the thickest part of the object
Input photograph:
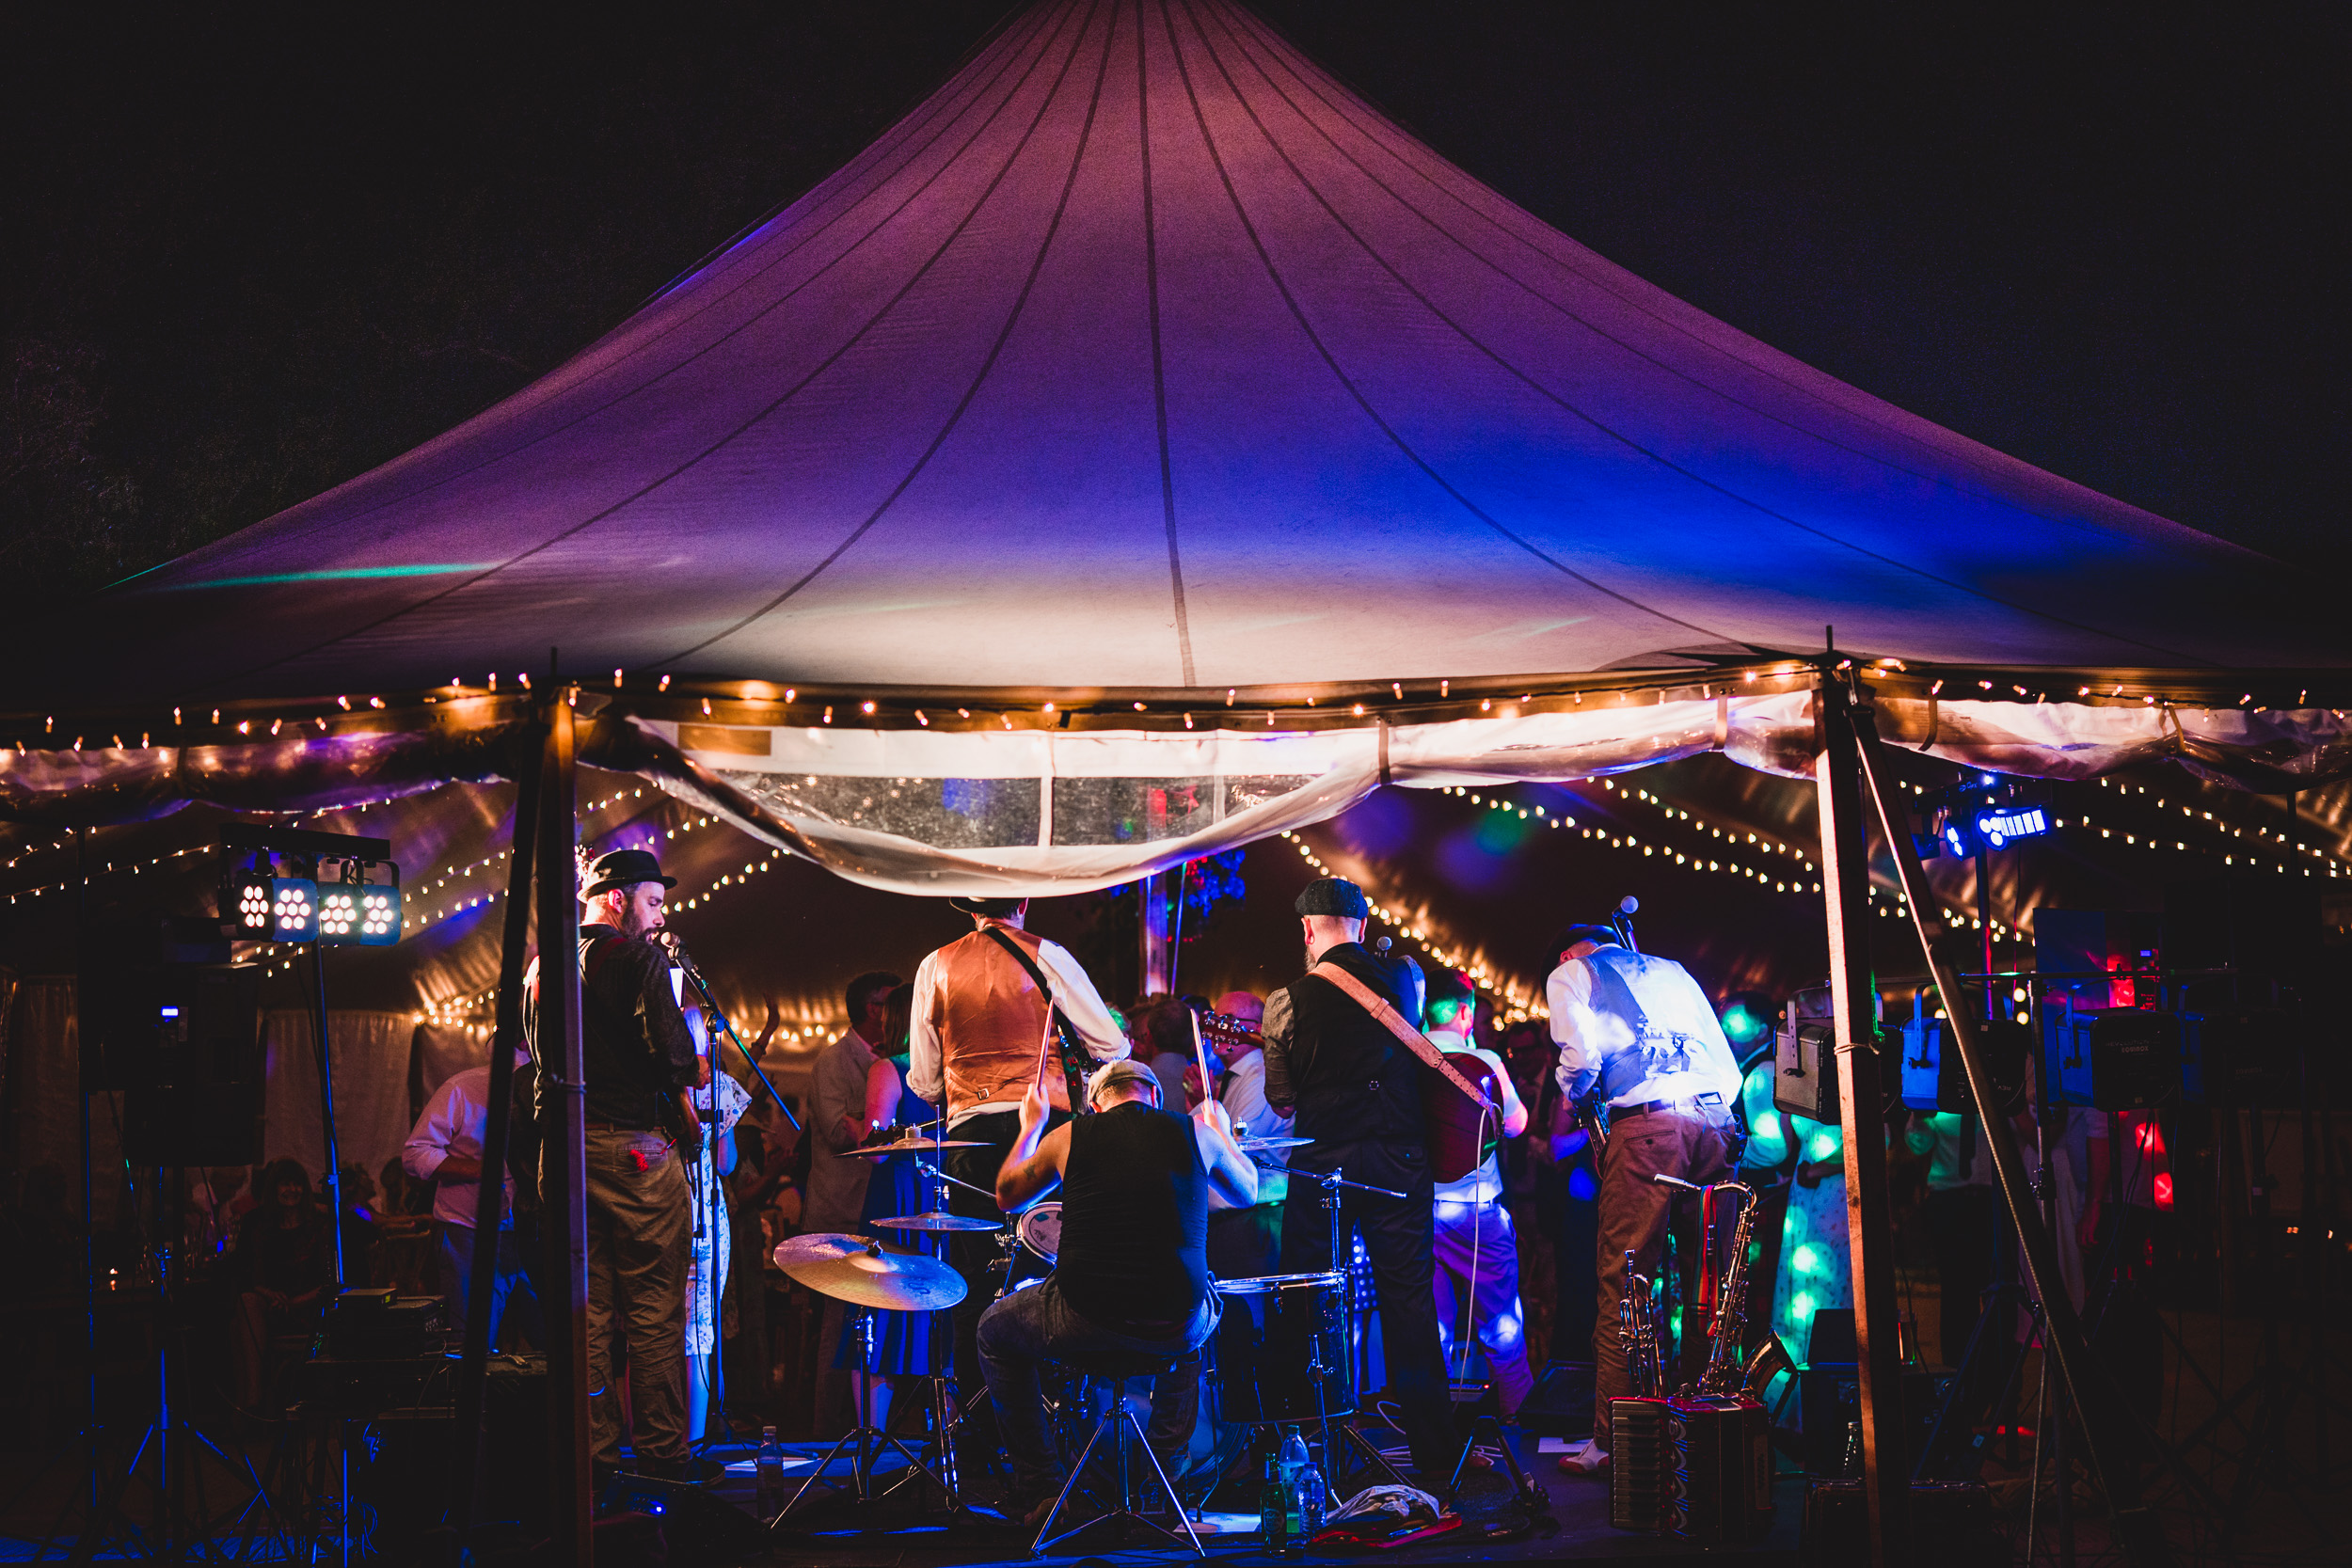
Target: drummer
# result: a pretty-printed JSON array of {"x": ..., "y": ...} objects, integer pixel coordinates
[{"x": 1132, "y": 1277}]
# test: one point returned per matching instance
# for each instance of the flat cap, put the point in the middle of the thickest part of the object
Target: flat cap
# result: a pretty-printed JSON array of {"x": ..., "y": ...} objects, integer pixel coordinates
[
  {"x": 1333, "y": 895},
  {"x": 1124, "y": 1070}
]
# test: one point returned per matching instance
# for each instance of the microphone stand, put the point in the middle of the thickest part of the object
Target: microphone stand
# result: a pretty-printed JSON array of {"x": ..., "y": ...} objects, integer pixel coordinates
[
  {"x": 694, "y": 978},
  {"x": 710, "y": 1160}
]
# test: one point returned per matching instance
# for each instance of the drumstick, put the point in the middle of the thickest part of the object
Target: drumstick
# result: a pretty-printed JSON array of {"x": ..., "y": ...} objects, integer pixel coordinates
[
  {"x": 1044, "y": 1040},
  {"x": 1200, "y": 1052}
]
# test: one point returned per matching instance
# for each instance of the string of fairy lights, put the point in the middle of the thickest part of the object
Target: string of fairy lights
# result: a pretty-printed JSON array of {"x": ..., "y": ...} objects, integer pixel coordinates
[{"x": 1509, "y": 1006}]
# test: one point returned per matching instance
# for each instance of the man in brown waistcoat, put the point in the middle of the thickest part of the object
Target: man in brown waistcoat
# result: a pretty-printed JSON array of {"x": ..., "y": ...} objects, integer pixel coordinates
[{"x": 977, "y": 1022}]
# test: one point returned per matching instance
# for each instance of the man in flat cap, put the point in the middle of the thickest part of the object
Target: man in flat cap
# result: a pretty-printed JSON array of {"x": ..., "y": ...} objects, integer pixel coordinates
[
  {"x": 977, "y": 1033},
  {"x": 637, "y": 1056},
  {"x": 1354, "y": 1086}
]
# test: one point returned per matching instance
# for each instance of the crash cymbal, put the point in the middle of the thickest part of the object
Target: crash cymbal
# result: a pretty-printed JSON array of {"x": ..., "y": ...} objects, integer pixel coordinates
[
  {"x": 867, "y": 1273},
  {"x": 907, "y": 1146},
  {"x": 1266, "y": 1146},
  {"x": 934, "y": 1220}
]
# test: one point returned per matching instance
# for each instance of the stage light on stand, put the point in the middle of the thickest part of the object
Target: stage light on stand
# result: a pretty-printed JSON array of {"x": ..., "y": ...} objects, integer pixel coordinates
[
  {"x": 356, "y": 913},
  {"x": 293, "y": 909},
  {"x": 249, "y": 900}
]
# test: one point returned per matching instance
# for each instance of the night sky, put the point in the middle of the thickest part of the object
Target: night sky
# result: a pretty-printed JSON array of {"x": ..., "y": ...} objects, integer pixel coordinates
[{"x": 248, "y": 254}]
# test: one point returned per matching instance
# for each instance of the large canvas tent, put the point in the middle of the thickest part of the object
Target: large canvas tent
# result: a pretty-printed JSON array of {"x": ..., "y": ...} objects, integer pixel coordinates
[
  {"x": 1143, "y": 448},
  {"x": 1110, "y": 422}
]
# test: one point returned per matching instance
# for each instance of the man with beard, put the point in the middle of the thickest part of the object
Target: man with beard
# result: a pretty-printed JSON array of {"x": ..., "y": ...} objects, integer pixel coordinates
[
  {"x": 637, "y": 1058},
  {"x": 1352, "y": 1084}
]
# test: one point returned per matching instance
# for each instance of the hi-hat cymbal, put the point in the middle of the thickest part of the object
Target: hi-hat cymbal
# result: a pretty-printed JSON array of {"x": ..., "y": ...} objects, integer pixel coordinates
[
  {"x": 867, "y": 1273},
  {"x": 906, "y": 1146},
  {"x": 1266, "y": 1146},
  {"x": 934, "y": 1220}
]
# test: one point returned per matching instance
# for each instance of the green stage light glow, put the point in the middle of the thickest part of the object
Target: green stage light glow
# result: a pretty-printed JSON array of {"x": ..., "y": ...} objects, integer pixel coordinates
[{"x": 347, "y": 574}]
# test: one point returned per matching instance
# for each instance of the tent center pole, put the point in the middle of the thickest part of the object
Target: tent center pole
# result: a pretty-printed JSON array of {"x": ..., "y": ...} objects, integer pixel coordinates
[
  {"x": 1869, "y": 1226},
  {"x": 471, "y": 1452},
  {"x": 564, "y": 1158}
]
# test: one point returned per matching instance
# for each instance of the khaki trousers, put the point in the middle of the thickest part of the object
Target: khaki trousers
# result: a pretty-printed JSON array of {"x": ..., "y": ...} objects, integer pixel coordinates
[
  {"x": 638, "y": 1222},
  {"x": 1635, "y": 1213}
]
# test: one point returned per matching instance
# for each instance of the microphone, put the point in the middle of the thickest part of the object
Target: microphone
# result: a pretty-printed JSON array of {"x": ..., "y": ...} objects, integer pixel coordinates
[
  {"x": 1629, "y": 905},
  {"x": 668, "y": 942},
  {"x": 1622, "y": 918}
]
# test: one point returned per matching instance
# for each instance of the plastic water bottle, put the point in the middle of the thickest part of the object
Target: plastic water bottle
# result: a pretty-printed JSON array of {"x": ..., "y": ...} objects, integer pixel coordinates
[
  {"x": 1274, "y": 1509},
  {"x": 771, "y": 1487},
  {"x": 1314, "y": 1499},
  {"x": 1294, "y": 1466}
]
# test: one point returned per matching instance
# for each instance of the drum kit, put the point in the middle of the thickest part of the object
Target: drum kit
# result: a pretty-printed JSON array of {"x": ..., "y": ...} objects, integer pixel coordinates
[{"x": 1300, "y": 1373}]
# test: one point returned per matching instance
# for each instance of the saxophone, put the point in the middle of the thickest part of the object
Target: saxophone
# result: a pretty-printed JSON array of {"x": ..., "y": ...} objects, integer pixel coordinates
[
  {"x": 1638, "y": 1334},
  {"x": 1724, "y": 1376}
]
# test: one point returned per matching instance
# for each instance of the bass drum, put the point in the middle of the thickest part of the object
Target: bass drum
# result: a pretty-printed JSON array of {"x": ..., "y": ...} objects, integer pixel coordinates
[{"x": 1297, "y": 1360}]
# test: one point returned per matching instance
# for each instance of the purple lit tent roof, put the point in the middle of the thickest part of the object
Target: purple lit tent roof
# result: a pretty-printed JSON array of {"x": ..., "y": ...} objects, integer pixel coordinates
[{"x": 1143, "y": 355}]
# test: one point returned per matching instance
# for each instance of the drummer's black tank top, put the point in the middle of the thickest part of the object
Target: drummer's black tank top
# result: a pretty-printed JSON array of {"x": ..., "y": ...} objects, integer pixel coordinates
[{"x": 1134, "y": 1220}]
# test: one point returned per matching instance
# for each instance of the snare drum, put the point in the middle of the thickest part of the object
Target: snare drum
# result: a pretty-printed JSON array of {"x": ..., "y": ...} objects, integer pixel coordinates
[
  {"x": 1038, "y": 1231},
  {"x": 1298, "y": 1368}
]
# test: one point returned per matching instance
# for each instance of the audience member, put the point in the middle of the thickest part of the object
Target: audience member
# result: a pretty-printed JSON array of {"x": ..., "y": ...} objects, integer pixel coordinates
[
  {"x": 286, "y": 1261},
  {"x": 905, "y": 1345},
  {"x": 444, "y": 1154},
  {"x": 836, "y": 1199}
]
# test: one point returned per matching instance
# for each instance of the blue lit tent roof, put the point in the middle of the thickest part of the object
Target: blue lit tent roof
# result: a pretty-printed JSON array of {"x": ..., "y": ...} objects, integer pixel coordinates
[{"x": 1143, "y": 355}]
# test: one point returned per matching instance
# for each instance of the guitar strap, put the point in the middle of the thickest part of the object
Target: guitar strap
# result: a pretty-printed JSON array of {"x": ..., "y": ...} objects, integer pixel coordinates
[
  {"x": 1072, "y": 1051},
  {"x": 1418, "y": 1043}
]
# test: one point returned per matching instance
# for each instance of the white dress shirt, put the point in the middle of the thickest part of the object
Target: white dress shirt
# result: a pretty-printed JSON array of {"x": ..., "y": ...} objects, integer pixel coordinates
[
  {"x": 453, "y": 1123},
  {"x": 1073, "y": 993},
  {"x": 1641, "y": 1028}
]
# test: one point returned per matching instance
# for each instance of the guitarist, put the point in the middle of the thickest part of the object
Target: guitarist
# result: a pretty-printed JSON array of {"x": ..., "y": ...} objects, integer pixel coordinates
[
  {"x": 1355, "y": 1088},
  {"x": 980, "y": 1015},
  {"x": 638, "y": 1057}
]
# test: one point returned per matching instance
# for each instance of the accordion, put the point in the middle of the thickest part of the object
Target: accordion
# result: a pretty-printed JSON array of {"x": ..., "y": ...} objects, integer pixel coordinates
[{"x": 1700, "y": 1468}]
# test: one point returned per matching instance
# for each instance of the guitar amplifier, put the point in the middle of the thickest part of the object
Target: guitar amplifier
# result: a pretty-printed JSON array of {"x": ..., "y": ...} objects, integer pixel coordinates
[
  {"x": 1722, "y": 1457},
  {"x": 1952, "y": 1526},
  {"x": 1641, "y": 1466}
]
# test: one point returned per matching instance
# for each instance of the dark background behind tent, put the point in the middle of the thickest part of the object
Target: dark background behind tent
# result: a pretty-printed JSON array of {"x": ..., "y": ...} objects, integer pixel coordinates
[{"x": 250, "y": 254}]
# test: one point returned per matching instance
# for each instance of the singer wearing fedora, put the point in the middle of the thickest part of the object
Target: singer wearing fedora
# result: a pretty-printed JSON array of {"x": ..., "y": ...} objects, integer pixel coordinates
[
  {"x": 994, "y": 1013},
  {"x": 638, "y": 1060}
]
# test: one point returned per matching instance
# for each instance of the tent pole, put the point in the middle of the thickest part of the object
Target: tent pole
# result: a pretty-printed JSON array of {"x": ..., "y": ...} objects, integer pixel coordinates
[
  {"x": 564, "y": 1157},
  {"x": 472, "y": 1447},
  {"x": 2135, "y": 1527},
  {"x": 326, "y": 1102},
  {"x": 1869, "y": 1229}
]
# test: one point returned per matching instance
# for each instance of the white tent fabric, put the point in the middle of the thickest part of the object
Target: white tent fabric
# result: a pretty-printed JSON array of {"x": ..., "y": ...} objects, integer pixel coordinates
[
  {"x": 371, "y": 1052},
  {"x": 1042, "y": 813},
  {"x": 1144, "y": 354}
]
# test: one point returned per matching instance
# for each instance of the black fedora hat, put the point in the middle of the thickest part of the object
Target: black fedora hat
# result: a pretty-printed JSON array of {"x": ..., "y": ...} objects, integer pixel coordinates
[{"x": 623, "y": 868}]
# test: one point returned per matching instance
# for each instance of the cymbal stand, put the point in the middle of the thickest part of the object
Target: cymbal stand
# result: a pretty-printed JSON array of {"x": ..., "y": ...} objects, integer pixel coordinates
[
  {"x": 1343, "y": 1253},
  {"x": 870, "y": 1441},
  {"x": 946, "y": 1406}
]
